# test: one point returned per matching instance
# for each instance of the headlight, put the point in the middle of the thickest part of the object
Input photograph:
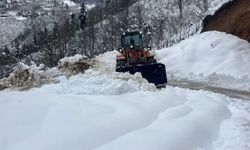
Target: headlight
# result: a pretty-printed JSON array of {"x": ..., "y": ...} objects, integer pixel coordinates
[{"x": 120, "y": 50}]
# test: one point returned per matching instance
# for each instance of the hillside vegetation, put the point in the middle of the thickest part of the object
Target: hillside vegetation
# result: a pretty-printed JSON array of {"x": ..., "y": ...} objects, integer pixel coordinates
[{"x": 55, "y": 29}]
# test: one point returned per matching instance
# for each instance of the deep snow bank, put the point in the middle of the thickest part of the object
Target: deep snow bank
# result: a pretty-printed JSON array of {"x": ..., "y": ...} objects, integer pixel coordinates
[
  {"x": 174, "y": 118},
  {"x": 235, "y": 132},
  {"x": 212, "y": 56}
]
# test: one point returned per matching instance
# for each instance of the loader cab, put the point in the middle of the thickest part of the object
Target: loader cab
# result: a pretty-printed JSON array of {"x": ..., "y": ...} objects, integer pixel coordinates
[{"x": 132, "y": 40}]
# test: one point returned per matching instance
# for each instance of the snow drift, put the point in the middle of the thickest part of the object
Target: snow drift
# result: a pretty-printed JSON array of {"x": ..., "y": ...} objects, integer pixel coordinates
[
  {"x": 100, "y": 79},
  {"x": 211, "y": 56},
  {"x": 42, "y": 119}
]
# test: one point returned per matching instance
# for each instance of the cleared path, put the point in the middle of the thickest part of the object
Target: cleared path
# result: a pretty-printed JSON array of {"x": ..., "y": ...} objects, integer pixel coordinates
[{"x": 203, "y": 86}]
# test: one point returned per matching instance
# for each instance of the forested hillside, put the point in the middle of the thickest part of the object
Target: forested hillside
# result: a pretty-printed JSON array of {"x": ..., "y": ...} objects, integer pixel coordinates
[{"x": 58, "y": 28}]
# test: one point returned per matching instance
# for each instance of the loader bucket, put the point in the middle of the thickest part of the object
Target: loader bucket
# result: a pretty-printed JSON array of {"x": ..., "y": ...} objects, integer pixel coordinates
[{"x": 154, "y": 73}]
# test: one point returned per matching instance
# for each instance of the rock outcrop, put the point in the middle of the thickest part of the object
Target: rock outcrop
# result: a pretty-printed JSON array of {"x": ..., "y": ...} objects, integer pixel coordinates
[{"x": 233, "y": 17}]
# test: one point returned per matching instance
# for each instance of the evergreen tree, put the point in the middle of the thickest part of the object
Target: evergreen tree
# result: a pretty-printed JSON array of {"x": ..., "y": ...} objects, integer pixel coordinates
[
  {"x": 83, "y": 16},
  {"x": 56, "y": 36}
]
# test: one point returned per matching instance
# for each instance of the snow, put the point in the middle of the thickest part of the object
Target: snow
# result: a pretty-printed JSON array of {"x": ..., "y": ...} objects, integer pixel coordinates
[
  {"x": 235, "y": 132},
  {"x": 10, "y": 27},
  {"x": 214, "y": 57},
  {"x": 101, "y": 79},
  {"x": 12, "y": 13},
  {"x": 69, "y": 3},
  {"x": 21, "y": 18},
  {"x": 189, "y": 123},
  {"x": 215, "y": 5},
  {"x": 173, "y": 118},
  {"x": 105, "y": 110},
  {"x": 166, "y": 12},
  {"x": 29, "y": 76},
  {"x": 96, "y": 83},
  {"x": 43, "y": 119},
  {"x": 90, "y": 6},
  {"x": 73, "y": 59}
]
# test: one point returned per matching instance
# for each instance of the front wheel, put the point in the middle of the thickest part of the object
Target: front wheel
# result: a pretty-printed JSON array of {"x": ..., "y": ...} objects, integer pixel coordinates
[{"x": 120, "y": 64}]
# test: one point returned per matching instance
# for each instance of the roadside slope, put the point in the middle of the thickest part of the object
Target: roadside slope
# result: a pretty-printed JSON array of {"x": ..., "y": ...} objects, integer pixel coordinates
[{"x": 214, "y": 57}]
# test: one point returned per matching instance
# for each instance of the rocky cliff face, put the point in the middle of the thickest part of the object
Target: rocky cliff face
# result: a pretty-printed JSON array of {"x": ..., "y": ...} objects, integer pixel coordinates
[{"x": 233, "y": 17}]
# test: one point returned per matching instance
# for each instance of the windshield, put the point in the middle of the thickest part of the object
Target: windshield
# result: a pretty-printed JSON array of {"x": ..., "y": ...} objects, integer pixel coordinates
[{"x": 132, "y": 40}]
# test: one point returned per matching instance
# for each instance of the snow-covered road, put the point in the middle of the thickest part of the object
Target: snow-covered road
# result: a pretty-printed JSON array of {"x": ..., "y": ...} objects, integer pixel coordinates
[{"x": 239, "y": 94}]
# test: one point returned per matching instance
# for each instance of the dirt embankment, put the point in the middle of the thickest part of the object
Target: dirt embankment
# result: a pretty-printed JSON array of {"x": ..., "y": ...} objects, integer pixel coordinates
[{"x": 233, "y": 17}]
